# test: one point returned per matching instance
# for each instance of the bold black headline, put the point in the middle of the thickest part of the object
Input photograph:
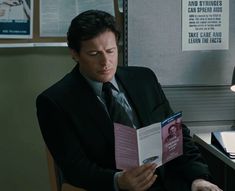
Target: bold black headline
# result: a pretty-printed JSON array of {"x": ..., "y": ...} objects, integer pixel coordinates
[
  {"x": 205, "y": 6},
  {"x": 204, "y": 37}
]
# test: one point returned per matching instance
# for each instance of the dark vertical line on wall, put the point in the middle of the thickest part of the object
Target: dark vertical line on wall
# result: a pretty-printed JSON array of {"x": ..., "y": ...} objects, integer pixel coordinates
[{"x": 125, "y": 32}]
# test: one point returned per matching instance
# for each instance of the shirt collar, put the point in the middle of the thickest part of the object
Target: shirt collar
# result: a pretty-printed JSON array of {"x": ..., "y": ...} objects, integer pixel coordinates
[
  {"x": 97, "y": 86},
  {"x": 114, "y": 82}
]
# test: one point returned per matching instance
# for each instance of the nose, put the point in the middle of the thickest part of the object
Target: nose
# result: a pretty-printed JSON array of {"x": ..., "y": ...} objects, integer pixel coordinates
[{"x": 104, "y": 59}]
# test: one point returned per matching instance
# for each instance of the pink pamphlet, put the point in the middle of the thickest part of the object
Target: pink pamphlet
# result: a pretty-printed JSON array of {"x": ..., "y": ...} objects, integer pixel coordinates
[{"x": 157, "y": 143}]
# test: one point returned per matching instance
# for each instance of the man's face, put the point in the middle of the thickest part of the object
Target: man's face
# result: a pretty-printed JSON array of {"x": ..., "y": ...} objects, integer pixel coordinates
[{"x": 98, "y": 57}]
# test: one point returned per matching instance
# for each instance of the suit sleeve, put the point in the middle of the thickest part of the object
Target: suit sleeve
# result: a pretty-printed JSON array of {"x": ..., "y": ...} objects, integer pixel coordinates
[
  {"x": 191, "y": 164},
  {"x": 67, "y": 151}
]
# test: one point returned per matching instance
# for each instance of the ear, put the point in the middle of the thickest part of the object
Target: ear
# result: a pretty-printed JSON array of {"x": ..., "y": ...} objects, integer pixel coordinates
[{"x": 74, "y": 54}]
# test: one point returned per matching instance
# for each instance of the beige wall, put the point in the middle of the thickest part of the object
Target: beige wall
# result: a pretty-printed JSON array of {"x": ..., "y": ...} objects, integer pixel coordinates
[{"x": 24, "y": 73}]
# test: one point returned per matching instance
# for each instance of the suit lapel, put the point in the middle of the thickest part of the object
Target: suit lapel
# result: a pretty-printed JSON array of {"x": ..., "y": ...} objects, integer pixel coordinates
[
  {"x": 92, "y": 108},
  {"x": 137, "y": 102}
]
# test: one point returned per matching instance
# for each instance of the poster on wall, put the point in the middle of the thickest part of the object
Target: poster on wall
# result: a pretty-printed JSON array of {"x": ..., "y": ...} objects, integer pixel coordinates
[
  {"x": 56, "y": 15},
  {"x": 205, "y": 25},
  {"x": 16, "y": 19}
]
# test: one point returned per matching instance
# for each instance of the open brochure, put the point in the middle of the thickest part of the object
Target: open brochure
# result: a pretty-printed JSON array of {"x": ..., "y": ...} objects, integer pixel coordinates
[{"x": 157, "y": 143}]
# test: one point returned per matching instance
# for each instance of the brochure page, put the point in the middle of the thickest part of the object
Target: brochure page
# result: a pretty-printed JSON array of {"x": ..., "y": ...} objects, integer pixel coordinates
[
  {"x": 172, "y": 137},
  {"x": 126, "y": 146},
  {"x": 157, "y": 143},
  {"x": 150, "y": 144}
]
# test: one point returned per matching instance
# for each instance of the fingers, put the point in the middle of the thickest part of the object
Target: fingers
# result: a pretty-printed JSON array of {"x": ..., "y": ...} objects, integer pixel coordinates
[
  {"x": 147, "y": 183},
  {"x": 203, "y": 185},
  {"x": 145, "y": 173},
  {"x": 140, "y": 178},
  {"x": 139, "y": 171}
]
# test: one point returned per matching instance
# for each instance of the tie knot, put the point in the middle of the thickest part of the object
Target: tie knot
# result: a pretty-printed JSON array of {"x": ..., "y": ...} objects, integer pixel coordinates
[{"x": 107, "y": 86}]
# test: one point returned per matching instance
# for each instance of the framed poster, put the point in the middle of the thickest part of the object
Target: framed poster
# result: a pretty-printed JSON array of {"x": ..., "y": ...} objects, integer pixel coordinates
[
  {"x": 16, "y": 19},
  {"x": 205, "y": 25}
]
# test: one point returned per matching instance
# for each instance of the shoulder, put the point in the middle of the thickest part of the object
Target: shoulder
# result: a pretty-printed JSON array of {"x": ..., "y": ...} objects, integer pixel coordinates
[
  {"x": 134, "y": 69},
  {"x": 58, "y": 87},
  {"x": 136, "y": 72},
  {"x": 63, "y": 86}
]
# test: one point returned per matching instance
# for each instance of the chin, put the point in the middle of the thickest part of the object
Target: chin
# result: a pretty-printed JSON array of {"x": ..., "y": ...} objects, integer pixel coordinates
[
  {"x": 104, "y": 77},
  {"x": 107, "y": 78}
]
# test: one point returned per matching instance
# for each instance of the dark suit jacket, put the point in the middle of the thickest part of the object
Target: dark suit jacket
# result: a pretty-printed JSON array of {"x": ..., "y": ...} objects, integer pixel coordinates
[{"x": 79, "y": 133}]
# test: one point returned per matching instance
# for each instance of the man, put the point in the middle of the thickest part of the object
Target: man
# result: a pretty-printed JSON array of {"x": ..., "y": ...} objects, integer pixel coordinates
[
  {"x": 172, "y": 132},
  {"x": 77, "y": 125}
]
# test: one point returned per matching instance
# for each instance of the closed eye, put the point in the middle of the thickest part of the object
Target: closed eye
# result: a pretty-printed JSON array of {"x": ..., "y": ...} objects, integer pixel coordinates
[
  {"x": 111, "y": 50},
  {"x": 96, "y": 52},
  {"x": 93, "y": 53}
]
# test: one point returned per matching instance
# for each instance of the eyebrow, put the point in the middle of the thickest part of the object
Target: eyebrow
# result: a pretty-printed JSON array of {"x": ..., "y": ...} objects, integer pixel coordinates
[{"x": 95, "y": 50}]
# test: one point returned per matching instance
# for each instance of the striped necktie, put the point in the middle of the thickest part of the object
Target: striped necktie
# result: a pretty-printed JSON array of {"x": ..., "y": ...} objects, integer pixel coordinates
[{"x": 117, "y": 109}]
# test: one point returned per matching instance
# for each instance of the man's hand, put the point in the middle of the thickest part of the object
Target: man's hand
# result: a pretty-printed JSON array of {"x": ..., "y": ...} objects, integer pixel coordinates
[
  {"x": 138, "y": 179},
  {"x": 203, "y": 185}
]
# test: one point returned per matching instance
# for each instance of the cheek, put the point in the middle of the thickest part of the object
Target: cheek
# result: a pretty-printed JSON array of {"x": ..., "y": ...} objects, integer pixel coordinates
[
  {"x": 87, "y": 63},
  {"x": 86, "y": 66},
  {"x": 114, "y": 60}
]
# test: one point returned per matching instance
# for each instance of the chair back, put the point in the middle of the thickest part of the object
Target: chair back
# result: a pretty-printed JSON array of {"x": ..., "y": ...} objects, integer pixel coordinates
[{"x": 56, "y": 178}]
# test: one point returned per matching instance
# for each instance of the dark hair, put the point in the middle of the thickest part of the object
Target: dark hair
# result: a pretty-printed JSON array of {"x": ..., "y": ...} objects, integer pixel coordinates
[{"x": 88, "y": 25}]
